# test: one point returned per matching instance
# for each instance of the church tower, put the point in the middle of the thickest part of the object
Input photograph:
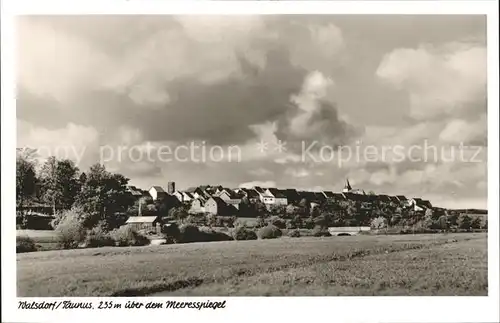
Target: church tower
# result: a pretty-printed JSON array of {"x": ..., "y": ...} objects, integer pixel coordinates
[{"x": 347, "y": 186}]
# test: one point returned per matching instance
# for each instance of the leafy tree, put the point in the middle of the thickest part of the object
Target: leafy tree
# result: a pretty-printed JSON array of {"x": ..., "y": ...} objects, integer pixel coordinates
[
  {"x": 278, "y": 210},
  {"x": 443, "y": 222},
  {"x": 25, "y": 177},
  {"x": 104, "y": 195},
  {"x": 304, "y": 207},
  {"x": 465, "y": 222},
  {"x": 178, "y": 213},
  {"x": 60, "y": 182},
  {"x": 379, "y": 223},
  {"x": 476, "y": 223},
  {"x": 292, "y": 211}
]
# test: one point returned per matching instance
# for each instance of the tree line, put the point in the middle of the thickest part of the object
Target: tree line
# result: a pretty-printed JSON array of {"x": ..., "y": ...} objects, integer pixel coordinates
[{"x": 98, "y": 193}]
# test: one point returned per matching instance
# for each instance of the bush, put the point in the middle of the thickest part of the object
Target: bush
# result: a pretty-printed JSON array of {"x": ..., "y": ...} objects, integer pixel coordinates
[
  {"x": 70, "y": 231},
  {"x": 209, "y": 235},
  {"x": 127, "y": 236},
  {"x": 320, "y": 232},
  {"x": 277, "y": 222},
  {"x": 242, "y": 233},
  {"x": 172, "y": 233},
  {"x": 269, "y": 232},
  {"x": 25, "y": 244},
  {"x": 98, "y": 237},
  {"x": 294, "y": 234},
  {"x": 308, "y": 223},
  {"x": 190, "y": 233}
]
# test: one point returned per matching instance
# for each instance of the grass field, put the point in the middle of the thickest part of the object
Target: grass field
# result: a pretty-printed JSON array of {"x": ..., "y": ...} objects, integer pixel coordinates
[{"x": 453, "y": 264}]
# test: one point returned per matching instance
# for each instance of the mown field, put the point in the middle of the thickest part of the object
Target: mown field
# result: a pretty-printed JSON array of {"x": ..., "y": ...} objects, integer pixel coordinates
[{"x": 447, "y": 264}]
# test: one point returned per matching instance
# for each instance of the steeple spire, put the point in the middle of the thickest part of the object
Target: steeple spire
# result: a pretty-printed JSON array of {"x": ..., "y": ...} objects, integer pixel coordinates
[{"x": 347, "y": 186}]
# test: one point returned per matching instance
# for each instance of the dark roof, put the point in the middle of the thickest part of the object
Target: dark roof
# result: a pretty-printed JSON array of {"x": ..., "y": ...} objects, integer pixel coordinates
[
  {"x": 355, "y": 197},
  {"x": 189, "y": 194},
  {"x": 384, "y": 198},
  {"x": 259, "y": 189},
  {"x": 309, "y": 196},
  {"x": 290, "y": 193},
  {"x": 220, "y": 202},
  {"x": 427, "y": 203},
  {"x": 329, "y": 194},
  {"x": 276, "y": 192},
  {"x": 402, "y": 198},
  {"x": 338, "y": 196},
  {"x": 135, "y": 191},
  {"x": 319, "y": 196},
  {"x": 394, "y": 199},
  {"x": 159, "y": 189},
  {"x": 372, "y": 198},
  {"x": 250, "y": 192},
  {"x": 232, "y": 194}
]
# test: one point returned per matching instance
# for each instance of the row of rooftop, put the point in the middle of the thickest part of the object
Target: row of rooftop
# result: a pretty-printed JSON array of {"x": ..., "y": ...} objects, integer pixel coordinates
[{"x": 199, "y": 196}]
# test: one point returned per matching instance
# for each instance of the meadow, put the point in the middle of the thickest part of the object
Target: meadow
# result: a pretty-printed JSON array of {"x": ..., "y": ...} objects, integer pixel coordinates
[{"x": 445, "y": 264}]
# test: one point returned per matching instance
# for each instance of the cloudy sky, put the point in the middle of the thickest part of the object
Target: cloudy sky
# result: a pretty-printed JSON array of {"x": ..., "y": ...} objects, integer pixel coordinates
[{"x": 314, "y": 82}]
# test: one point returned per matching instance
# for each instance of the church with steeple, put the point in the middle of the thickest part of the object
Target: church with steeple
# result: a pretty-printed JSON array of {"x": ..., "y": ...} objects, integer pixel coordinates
[{"x": 348, "y": 188}]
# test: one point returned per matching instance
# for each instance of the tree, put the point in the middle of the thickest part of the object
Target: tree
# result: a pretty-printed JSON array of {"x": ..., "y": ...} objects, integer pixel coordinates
[
  {"x": 59, "y": 182},
  {"x": 304, "y": 207},
  {"x": 178, "y": 213},
  {"x": 25, "y": 177},
  {"x": 104, "y": 195},
  {"x": 476, "y": 223},
  {"x": 278, "y": 210},
  {"x": 379, "y": 223},
  {"x": 465, "y": 222}
]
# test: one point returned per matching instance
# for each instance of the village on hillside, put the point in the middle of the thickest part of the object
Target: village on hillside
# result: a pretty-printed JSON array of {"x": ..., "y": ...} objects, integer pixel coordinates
[{"x": 222, "y": 201}]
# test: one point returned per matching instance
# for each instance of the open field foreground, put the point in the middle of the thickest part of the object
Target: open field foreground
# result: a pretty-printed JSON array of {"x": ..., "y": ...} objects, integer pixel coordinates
[{"x": 452, "y": 264}]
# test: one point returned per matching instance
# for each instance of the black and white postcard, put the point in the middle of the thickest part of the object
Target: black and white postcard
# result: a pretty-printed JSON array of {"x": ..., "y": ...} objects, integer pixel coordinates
[{"x": 224, "y": 160}]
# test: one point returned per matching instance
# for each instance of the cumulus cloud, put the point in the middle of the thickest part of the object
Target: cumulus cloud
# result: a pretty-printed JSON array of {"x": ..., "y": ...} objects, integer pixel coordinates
[
  {"x": 243, "y": 80},
  {"x": 440, "y": 80},
  {"x": 462, "y": 131},
  {"x": 312, "y": 117},
  {"x": 75, "y": 142},
  {"x": 167, "y": 80}
]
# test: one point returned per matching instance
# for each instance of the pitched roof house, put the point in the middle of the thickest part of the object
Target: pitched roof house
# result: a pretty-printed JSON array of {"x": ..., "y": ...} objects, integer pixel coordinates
[
  {"x": 250, "y": 193},
  {"x": 157, "y": 192},
  {"x": 277, "y": 197},
  {"x": 216, "y": 205},
  {"x": 402, "y": 198},
  {"x": 197, "y": 206}
]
